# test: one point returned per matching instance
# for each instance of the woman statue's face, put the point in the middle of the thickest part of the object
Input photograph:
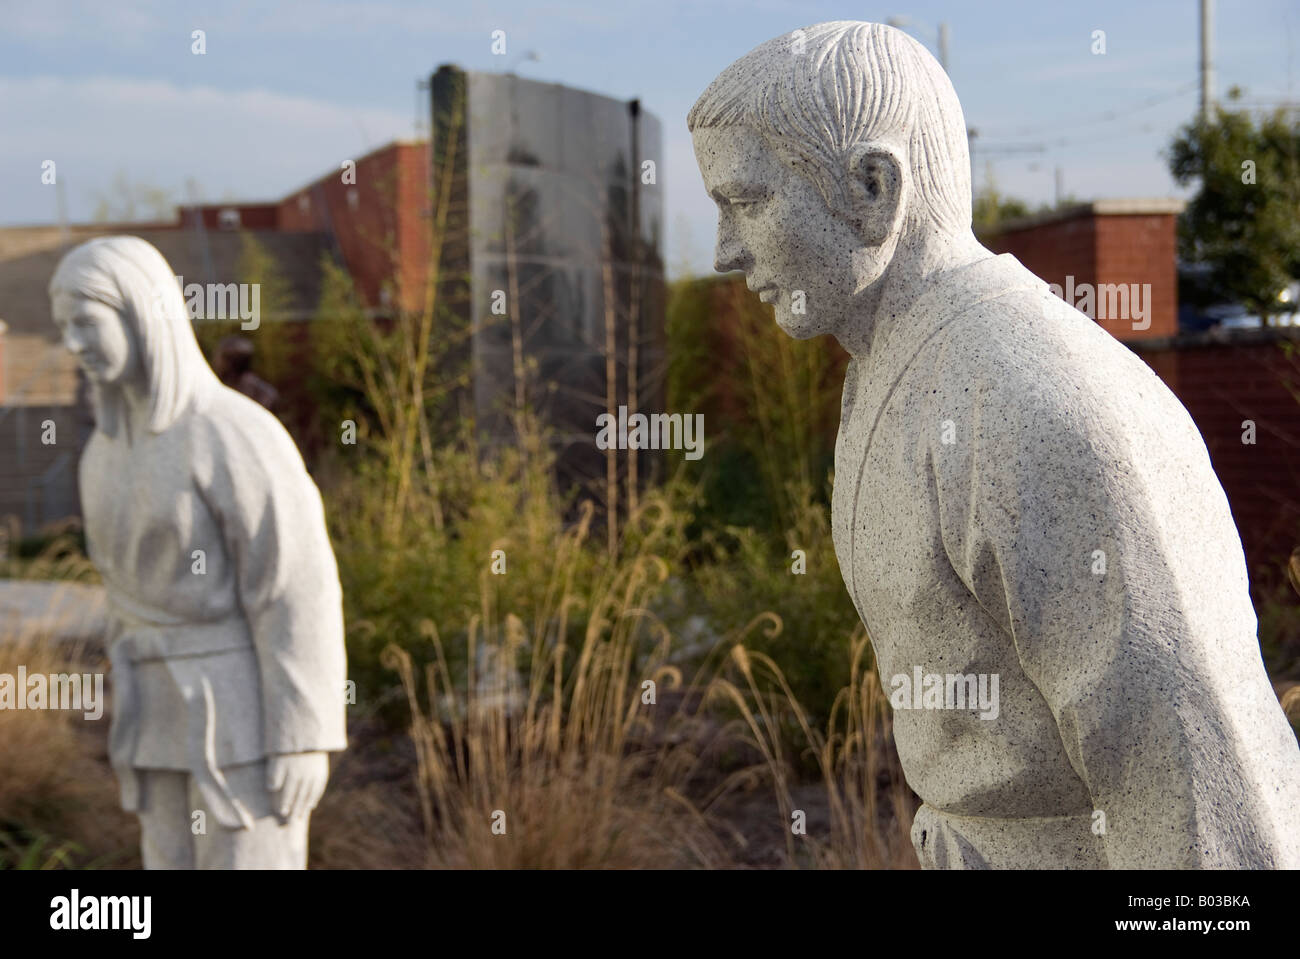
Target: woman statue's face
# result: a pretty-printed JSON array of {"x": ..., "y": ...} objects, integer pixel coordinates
[{"x": 95, "y": 334}]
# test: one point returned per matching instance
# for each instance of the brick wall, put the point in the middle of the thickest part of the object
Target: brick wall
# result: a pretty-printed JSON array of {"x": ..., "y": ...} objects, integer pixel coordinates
[
  {"x": 1053, "y": 250},
  {"x": 37, "y": 371},
  {"x": 379, "y": 222},
  {"x": 233, "y": 216},
  {"x": 1140, "y": 249},
  {"x": 1120, "y": 242},
  {"x": 1224, "y": 379}
]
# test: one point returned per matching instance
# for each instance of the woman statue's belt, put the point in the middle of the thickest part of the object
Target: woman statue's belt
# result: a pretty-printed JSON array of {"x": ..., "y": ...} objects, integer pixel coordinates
[{"x": 183, "y": 647}]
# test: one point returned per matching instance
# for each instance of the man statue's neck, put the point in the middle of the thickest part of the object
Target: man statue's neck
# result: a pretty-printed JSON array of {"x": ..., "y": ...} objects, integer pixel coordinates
[{"x": 915, "y": 268}]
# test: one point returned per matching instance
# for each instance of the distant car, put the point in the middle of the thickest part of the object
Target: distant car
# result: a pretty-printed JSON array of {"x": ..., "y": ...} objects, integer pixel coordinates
[
  {"x": 1235, "y": 316},
  {"x": 1194, "y": 279}
]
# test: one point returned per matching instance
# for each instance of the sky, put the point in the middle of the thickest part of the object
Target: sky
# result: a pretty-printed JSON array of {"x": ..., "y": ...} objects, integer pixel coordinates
[{"x": 286, "y": 91}]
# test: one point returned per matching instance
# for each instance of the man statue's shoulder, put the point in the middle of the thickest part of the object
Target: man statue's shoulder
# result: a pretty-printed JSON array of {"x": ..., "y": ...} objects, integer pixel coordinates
[
  {"x": 1027, "y": 337},
  {"x": 1025, "y": 369}
]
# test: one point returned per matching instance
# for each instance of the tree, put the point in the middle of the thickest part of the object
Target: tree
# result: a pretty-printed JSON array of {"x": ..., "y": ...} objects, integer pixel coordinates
[
  {"x": 257, "y": 267},
  {"x": 1243, "y": 224},
  {"x": 992, "y": 208},
  {"x": 128, "y": 202}
]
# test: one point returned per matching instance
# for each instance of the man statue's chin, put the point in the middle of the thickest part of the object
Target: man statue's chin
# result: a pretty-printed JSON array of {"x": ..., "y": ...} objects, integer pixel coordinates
[{"x": 798, "y": 327}]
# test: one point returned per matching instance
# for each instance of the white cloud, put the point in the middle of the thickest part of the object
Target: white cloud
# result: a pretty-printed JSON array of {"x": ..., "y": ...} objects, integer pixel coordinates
[{"x": 251, "y": 144}]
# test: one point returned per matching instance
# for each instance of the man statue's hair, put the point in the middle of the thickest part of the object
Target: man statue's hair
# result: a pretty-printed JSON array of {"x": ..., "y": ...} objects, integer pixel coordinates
[{"x": 822, "y": 93}]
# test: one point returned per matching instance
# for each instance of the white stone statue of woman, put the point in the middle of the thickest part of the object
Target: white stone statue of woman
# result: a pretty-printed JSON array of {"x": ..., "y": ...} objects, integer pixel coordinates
[{"x": 227, "y": 639}]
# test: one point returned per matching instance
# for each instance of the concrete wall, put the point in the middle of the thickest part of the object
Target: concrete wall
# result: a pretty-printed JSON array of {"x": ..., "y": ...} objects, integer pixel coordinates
[{"x": 561, "y": 217}]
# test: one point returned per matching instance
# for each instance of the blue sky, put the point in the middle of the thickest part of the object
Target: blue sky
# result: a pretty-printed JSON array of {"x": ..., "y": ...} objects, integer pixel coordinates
[{"x": 287, "y": 90}]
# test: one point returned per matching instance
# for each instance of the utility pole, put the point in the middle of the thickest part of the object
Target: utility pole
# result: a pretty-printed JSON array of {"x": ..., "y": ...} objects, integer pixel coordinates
[
  {"x": 1207, "y": 61},
  {"x": 994, "y": 149},
  {"x": 420, "y": 112},
  {"x": 62, "y": 202}
]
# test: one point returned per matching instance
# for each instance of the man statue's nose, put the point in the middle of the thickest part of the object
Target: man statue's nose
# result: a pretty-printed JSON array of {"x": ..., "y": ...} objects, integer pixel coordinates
[{"x": 728, "y": 257}]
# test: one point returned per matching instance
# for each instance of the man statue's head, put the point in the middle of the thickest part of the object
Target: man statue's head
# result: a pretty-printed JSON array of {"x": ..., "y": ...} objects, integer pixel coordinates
[{"x": 833, "y": 153}]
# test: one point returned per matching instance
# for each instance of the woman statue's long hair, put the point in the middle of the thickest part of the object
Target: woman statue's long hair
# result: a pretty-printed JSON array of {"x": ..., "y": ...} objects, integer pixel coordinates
[{"x": 131, "y": 276}]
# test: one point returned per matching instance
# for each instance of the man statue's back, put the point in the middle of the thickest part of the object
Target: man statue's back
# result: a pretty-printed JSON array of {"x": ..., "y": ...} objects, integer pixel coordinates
[{"x": 1025, "y": 516}]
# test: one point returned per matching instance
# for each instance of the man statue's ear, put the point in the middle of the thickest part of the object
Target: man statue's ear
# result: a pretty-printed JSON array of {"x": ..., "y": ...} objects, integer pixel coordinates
[{"x": 875, "y": 179}]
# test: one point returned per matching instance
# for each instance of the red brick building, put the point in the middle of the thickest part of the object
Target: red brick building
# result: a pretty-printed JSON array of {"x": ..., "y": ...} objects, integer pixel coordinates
[{"x": 373, "y": 210}]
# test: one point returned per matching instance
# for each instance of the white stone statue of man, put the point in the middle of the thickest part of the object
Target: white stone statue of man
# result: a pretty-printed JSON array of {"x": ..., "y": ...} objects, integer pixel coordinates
[
  {"x": 227, "y": 638},
  {"x": 1020, "y": 505}
]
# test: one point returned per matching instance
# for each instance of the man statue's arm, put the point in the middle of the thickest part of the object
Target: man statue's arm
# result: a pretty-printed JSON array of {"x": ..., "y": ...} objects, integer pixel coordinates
[{"x": 1050, "y": 524}]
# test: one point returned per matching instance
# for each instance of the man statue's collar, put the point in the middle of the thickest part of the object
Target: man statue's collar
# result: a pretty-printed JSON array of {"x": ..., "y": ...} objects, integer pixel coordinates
[{"x": 898, "y": 338}]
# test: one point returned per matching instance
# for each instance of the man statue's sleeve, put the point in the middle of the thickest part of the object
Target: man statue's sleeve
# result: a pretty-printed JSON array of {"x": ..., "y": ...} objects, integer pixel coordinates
[{"x": 1086, "y": 521}]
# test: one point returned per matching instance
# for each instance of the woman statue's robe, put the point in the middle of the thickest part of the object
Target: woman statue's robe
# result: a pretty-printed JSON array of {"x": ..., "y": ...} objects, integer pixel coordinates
[{"x": 228, "y": 625}]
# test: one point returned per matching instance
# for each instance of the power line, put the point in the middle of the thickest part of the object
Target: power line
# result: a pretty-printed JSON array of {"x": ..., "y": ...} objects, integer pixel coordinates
[
  {"x": 1107, "y": 116},
  {"x": 1081, "y": 139}
]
